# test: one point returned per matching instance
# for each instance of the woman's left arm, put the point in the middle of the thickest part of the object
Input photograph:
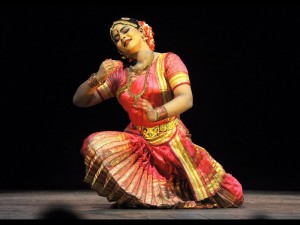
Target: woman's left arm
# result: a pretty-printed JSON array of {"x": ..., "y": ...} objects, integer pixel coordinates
[
  {"x": 177, "y": 75},
  {"x": 182, "y": 101}
]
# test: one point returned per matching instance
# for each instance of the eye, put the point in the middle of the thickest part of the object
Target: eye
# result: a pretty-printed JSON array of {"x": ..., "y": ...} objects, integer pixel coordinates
[
  {"x": 125, "y": 30},
  {"x": 116, "y": 38}
]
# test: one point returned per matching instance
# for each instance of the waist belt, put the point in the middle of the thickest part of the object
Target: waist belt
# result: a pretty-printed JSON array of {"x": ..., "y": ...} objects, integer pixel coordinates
[{"x": 152, "y": 132}]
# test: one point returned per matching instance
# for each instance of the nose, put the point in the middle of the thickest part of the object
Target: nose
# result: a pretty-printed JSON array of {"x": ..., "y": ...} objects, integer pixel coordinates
[{"x": 122, "y": 36}]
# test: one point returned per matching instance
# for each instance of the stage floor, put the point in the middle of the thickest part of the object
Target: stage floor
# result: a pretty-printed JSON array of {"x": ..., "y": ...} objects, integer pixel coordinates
[{"x": 86, "y": 204}]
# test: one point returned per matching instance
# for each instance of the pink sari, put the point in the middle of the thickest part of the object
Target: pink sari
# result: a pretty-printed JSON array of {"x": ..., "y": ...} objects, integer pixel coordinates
[{"x": 155, "y": 164}]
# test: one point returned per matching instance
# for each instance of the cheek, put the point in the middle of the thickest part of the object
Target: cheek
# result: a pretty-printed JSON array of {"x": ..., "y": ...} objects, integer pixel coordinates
[{"x": 119, "y": 46}]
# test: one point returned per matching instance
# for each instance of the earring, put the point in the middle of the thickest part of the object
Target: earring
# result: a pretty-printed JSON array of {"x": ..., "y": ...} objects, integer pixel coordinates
[{"x": 145, "y": 38}]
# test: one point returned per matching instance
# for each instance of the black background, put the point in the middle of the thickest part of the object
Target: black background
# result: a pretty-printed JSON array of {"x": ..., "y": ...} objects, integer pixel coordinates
[{"x": 243, "y": 62}]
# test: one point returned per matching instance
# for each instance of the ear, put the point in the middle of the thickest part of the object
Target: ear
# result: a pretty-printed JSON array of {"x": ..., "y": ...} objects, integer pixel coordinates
[
  {"x": 143, "y": 34},
  {"x": 142, "y": 31}
]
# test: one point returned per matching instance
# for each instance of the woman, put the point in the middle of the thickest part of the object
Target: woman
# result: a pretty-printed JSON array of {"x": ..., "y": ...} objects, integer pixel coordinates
[{"x": 153, "y": 163}]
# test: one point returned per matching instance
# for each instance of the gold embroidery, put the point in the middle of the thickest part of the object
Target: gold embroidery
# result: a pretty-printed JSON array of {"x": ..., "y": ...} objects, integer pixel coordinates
[
  {"x": 153, "y": 132},
  {"x": 190, "y": 169},
  {"x": 121, "y": 90},
  {"x": 203, "y": 186},
  {"x": 179, "y": 77},
  {"x": 161, "y": 78}
]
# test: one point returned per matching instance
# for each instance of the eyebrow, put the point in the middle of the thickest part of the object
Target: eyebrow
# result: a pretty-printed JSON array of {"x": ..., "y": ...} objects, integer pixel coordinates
[{"x": 121, "y": 30}]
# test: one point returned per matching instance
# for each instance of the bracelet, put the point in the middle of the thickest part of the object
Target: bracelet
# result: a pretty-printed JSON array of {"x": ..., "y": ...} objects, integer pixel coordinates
[
  {"x": 93, "y": 82},
  {"x": 161, "y": 113}
]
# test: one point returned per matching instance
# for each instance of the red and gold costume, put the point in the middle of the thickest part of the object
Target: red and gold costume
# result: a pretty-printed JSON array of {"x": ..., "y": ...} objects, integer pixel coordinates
[{"x": 155, "y": 164}]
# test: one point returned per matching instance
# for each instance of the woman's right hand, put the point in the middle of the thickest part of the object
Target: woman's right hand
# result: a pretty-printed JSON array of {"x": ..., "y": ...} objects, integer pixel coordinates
[
  {"x": 107, "y": 67},
  {"x": 86, "y": 96}
]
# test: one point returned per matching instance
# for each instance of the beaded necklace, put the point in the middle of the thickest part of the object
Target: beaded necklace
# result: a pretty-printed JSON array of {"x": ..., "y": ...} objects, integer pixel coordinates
[{"x": 145, "y": 68}]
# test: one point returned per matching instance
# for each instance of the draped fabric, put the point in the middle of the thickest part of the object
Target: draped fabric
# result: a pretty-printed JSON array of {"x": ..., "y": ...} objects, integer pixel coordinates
[{"x": 155, "y": 164}]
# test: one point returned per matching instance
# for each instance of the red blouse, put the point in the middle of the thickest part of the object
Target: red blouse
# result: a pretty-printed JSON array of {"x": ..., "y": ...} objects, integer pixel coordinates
[{"x": 166, "y": 73}]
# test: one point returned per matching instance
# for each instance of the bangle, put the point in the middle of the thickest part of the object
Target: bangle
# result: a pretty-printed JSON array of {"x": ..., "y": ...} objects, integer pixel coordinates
[
  {"x": 161, "y": 113},
  {"x": 93, "y": 82}
]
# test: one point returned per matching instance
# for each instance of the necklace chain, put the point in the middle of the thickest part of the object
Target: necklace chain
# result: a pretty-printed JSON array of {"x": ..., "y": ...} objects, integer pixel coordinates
[
  {"x": 141, "y": 69},
  {"x": 145, "y": 68}
]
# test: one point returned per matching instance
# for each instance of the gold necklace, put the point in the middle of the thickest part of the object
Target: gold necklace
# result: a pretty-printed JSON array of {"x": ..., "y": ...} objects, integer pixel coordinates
[
  {"x": 138, "y": 71},
  {"x": 146, "y": 67}
]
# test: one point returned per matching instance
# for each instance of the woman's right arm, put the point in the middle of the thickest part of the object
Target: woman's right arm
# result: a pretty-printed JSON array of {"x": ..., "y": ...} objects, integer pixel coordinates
[{"x": 86, "y": 94}]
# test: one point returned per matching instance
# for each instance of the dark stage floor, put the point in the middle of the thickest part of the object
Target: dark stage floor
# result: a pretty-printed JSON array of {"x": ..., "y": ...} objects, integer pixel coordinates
[{"x": 86, "y": 204}]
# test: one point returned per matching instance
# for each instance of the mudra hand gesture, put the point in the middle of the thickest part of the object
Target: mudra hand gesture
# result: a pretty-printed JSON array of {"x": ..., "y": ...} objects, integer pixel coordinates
[
  {"x": 107, "y": 67},
  {"x": 145, "y": 105}
]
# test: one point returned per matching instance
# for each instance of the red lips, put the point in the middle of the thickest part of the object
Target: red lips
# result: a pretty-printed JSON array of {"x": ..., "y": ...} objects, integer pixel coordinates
[{"x": 126, "y": 42}]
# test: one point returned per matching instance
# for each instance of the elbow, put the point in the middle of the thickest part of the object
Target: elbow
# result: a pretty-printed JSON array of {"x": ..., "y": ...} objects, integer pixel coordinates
[
  {"x": 190, "y": 102},
  {"x": 76, "y": 102},
  {"x": 190, "y": 105},
  {"x": 82, "y": 102},
  {"x": 79, "y": 104}
]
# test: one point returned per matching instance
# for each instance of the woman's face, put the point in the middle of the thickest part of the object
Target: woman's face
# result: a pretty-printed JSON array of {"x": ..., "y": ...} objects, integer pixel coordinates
[{"x": 127, "y": 38}]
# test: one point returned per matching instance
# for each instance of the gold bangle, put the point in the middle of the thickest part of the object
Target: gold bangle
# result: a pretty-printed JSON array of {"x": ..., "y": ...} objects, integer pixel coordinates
[
  {"x": 161, "y": 113},
  {"x": 93, "y": 82}
]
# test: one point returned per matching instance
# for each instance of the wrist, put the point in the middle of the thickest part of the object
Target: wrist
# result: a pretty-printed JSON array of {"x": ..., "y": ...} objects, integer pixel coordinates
[
  {"x": 93, "y": 82},
  {"x": 98, "y": 79},
  {"x": 161, "y": 113}
]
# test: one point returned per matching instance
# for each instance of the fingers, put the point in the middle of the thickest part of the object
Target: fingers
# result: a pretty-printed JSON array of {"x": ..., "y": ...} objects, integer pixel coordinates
[
  {"x": 108, "y": 67},
  {"x": 143, "y": 104},
  {"x": 112, "y": 64},
  {"x": 111, "y": 67}
]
